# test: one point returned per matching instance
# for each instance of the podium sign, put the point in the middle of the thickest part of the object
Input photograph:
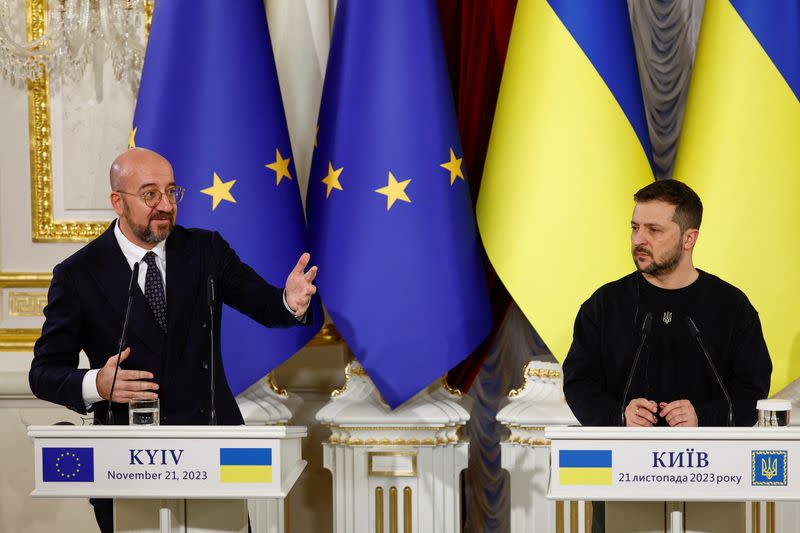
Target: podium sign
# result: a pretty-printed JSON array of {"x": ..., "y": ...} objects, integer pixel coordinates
[
  {"x": 674, "y": 464},
  {"x": 166, "y": 461}
]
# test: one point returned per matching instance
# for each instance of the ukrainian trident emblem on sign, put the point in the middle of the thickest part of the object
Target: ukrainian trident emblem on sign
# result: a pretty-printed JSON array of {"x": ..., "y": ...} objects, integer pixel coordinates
[{"x": 769, "y": 467}]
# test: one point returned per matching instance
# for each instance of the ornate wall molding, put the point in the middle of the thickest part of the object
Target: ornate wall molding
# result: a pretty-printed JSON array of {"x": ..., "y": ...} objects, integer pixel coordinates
[{"x": 21, "y": 339}]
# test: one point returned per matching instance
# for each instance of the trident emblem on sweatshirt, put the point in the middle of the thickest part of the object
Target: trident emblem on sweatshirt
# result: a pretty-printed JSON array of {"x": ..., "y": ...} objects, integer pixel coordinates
[{"x": 667, "y": 317}]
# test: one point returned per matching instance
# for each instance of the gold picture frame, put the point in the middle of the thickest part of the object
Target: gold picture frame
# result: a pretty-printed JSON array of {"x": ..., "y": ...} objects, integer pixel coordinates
[{"x": 44, "y": 228}]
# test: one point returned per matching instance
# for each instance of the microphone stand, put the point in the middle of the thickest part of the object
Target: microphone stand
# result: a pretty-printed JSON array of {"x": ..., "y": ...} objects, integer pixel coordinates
[
  {"x": 212, "y": 300},
  {"x": 646, "y": 325},
  {"x": 122, "y": 337}
]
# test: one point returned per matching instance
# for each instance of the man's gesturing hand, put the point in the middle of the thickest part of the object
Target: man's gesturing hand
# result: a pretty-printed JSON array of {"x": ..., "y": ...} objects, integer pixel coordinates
[
  {"x": 131, "y": 384},
  {"x": 300, "y": 287}
]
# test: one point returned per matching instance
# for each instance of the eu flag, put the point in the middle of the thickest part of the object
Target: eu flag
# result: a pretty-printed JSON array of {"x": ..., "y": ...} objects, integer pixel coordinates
[
  {"x": 68, "y": 465},
  {"x": 210, "y": 103},
  {"x": 392, "y": 226}
]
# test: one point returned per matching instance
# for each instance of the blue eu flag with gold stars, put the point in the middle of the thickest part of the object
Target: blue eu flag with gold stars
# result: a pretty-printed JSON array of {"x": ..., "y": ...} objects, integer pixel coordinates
[
  {"x": 391, "y": 221},
  {"x": 210, "y": 103},
  {"x": 68, "y": 465}
]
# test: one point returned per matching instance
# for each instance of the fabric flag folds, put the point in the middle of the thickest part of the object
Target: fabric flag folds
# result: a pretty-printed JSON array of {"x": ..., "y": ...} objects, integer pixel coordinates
[
  {"x": 740, "y": 150},
  {"x": 392, "y": 227},
  {"x": 210, "y": 103},
  {"x": 568, "y": 149}
]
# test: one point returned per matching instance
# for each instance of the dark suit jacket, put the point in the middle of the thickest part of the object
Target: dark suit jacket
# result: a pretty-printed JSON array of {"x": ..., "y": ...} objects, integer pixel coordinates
[{"x": 86, "y": 307}]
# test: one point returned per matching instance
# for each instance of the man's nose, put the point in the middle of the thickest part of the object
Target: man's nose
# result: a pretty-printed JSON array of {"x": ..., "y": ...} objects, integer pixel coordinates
[{"x": 164, "y": 204}]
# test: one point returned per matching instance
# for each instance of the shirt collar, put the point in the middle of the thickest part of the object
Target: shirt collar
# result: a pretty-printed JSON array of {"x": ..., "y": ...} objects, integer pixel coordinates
[{"x": 133, "y": 252}]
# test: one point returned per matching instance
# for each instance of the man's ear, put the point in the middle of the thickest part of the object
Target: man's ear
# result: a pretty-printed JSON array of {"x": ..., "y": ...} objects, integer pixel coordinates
[
  {"x": 116, "y": 202},
  {"x": 690, "y": 238}
]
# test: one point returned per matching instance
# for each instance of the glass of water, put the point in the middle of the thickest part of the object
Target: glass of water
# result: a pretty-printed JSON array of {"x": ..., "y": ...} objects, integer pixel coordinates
[{"x": 144, "y": 412}]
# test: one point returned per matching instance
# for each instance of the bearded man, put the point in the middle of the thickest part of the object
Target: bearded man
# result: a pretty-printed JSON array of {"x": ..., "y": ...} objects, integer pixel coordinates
[
  {"x": 167, "y": 355},
  {"x": 673, "y": 383}
]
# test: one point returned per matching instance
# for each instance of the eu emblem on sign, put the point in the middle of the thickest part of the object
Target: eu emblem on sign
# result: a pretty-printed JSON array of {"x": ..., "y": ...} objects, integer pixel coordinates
[
  {"x": 68, "y": 464},
  {"x": 769, "y": 467}
]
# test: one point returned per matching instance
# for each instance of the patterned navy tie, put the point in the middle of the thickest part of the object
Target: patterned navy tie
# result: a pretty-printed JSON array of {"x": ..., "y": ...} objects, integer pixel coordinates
[{"x": 154, "y": 290}]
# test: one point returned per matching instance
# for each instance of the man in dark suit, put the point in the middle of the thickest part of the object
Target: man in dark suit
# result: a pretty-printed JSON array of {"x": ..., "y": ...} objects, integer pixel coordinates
[{"x": 167, "y": 352}]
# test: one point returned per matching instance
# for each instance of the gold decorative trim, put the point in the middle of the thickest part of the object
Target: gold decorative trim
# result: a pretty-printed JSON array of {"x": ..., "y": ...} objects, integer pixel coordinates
[
  {"x": 26, "y": 303},
  {"x": 448, "y": 388},
  {"x": 328, "y": 335},
  {"x": 379, "y": 510},
  {"x": 17, "y": 339},
  {"x": 559, "y": 517},
  {"x": 274, "y": 387},
  {"x": 587, "y": 516},
  {"x": 770, "y": 517},
  {"x": 392, "y": 473},
  {"x": 349, "y": 371},
  {"x": 407, "y": 514},
  {"x": 393, "y": 510},
  {"x": 25, "y": 280},
  {"x": 21, "y": 339},
  {"x": 756, "y": 517},
  {"x": 573, "y": 517}
]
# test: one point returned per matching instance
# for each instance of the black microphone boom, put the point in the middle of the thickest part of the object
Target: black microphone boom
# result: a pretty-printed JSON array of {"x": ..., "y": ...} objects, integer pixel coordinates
[
  {"x": 122, "y": 338},
  {"x": 212, "y": 302},
  {"x": 695, "y": 331},
  {"x": 647, "y": 324}
]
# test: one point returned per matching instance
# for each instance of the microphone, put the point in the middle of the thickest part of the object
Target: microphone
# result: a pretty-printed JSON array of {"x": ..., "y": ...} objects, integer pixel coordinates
[
  {"x": 695, "y": 331},
  {"x": 131, "y": 285},
  {"x": 647, "y": 325},
  {"x": 212, "y": 301}
]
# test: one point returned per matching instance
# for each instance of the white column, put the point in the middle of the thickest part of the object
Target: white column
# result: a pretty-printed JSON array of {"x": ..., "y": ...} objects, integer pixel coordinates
[{"x": 394, "y": 470}]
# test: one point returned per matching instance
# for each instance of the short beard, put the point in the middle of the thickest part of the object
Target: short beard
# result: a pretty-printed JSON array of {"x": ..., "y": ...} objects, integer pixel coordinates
[
  {"x": 143, "y": 232},
  {"x": 658, "y": 269}
]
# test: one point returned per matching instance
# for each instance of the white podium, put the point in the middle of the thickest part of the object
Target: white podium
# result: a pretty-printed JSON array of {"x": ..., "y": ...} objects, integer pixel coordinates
[
  {"x": 394, "y": 471},
  {"x": 675, "y": 465},
  {"x": 169, "y": 478}
]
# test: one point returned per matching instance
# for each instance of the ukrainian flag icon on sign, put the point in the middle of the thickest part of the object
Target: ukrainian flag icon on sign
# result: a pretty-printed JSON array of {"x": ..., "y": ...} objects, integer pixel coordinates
[
  {"x": 245, "y": 465},
  {"x": 769, "y": 467},
  {"x": 584, "y": 467}
]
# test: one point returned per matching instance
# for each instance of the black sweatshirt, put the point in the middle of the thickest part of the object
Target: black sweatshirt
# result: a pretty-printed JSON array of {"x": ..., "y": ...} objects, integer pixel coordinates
[{"x": 672, "y": 365}]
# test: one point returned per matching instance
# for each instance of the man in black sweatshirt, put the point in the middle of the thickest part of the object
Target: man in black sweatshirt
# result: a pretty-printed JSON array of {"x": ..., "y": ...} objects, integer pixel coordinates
[{"x": 673, "y": 384}]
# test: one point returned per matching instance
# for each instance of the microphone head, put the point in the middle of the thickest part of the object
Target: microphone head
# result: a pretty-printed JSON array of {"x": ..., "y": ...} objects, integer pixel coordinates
[
  {"x": 134, "y": 277},
  {"x": 212, "y": 293}
]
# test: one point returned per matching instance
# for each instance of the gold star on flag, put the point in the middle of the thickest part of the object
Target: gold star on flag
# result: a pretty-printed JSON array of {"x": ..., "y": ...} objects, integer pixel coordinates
[
  {"x": 280, "y": 166},
  {"x": 394, "y": 191},
  {"x": 132, "y": 138},
  {"x": 220, "y": 191},
  {"x": 332, "y": 179},
  {"x": 454, "y": 166}
]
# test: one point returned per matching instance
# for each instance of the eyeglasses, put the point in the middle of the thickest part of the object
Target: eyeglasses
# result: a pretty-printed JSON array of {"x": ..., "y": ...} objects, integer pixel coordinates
[{"x": 152, "y": 197}]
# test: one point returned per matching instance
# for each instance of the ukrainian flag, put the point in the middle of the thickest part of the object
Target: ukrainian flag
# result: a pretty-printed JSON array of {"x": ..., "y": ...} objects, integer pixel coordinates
[
  {"x": 584, "y": 467},
  {"x": 569, "y": 147},
  {"x": 245, "y": 465},
  {"x": 740, "y": 150}
]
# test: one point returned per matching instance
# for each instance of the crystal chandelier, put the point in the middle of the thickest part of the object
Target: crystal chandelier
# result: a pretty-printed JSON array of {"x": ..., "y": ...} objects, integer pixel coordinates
[{"x": 76, "y": 33}]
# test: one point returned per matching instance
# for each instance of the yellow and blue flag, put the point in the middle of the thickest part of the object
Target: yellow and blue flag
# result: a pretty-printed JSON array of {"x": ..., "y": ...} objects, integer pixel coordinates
[
  {"x": 391, "y": 221},
  {"x": 740, "y": 150},
  {"x": 245, "y": 465},
  {"x": 210, "y": 103},
  {"x": 68, "y": 465},
  {"x": 568, "y": 149},
  {"x": 584, "y": 467}
]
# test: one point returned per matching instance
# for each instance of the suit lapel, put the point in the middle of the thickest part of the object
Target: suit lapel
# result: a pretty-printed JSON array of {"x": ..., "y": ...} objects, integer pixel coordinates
[{"x": 112, "y": 274}]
